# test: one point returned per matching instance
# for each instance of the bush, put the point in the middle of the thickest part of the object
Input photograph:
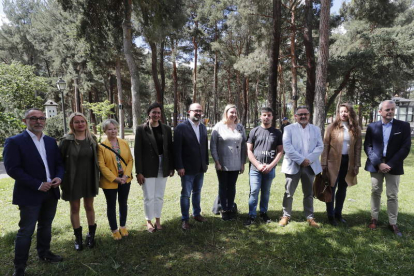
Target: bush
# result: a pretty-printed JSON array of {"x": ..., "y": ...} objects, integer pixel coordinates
[
  {"x": 10, "y": 125},
  {"x": 54, "y": 126}
]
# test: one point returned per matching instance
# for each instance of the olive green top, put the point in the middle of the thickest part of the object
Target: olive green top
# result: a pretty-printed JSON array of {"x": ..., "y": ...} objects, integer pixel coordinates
[{"x": 81, "y": 179}]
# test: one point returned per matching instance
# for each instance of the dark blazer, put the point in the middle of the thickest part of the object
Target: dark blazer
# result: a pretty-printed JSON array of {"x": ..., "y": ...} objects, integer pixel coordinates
[
  {"x": 146, "y": 151},
  {"x": 188, "y": 153},
  {"x": 24, "y": 163},
  {"x": 399, "y": 146}
]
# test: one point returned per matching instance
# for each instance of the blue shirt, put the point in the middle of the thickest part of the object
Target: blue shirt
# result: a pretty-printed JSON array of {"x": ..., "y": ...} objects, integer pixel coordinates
[{"x": 386, "y": 131}]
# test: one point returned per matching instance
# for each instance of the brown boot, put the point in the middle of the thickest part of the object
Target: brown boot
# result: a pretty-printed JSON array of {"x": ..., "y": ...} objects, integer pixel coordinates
[
  {"x": 284, "y": 221},
  {"x": 312, "y": 223},
  {"x": 373, "y": 224}
]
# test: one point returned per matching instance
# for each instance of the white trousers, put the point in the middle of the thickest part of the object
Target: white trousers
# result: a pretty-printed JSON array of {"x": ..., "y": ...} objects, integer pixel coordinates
[{"x": 153, "y": 189}]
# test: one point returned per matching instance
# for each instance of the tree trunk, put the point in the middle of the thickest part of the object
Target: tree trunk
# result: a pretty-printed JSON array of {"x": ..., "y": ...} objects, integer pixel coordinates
[
  {"x": 295, "y": 96},
  {"x": 154, "y": 71},
  {"x": 133, "y": 69},
  {"x": 322, "y": 67},
  {"x": 77, "y": 96},
  {"x": 256, "y": 106},
  {"x": 92, "y": 115},
  {"x": 215, "y": 88},
  {"x": 195, "y": 43},
  {"x": 274, "y": 56},
  {"x": 229, "y": 85},
  {"x": 245, "y": 100},
  {"x": 120, "y": 98},
  {"x": 162, "y": 75},
  {"x": 310, "y": 54},
  {"x": 175, "y": 80}
]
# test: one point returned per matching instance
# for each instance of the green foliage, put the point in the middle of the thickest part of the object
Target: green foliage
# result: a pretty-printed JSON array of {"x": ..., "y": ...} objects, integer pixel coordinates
[
  {"x": 101, "y": 109},
  {"x": 10, "y": 125},
  {"x": 54, "y": 126},
  {"x": 20, "y": 88}
]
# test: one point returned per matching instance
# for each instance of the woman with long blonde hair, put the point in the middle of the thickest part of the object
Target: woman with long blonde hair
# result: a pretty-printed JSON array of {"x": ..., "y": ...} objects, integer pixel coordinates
[
  {"x": 229, "y": 151},
  {"x": 81, "y": 180},
  {"x": 341, "y": 158}
]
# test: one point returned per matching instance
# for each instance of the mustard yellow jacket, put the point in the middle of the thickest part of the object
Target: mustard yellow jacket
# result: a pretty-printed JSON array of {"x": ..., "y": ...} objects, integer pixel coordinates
[{"x": 108, "y": 165}]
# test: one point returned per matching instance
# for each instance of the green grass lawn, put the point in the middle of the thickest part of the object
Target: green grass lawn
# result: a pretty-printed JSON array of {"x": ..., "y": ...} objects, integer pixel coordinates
[{"x": 228, "y": 248}]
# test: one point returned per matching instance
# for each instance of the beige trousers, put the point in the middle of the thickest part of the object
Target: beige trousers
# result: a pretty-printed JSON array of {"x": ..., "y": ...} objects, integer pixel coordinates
[{"x": 391, "y": 183}]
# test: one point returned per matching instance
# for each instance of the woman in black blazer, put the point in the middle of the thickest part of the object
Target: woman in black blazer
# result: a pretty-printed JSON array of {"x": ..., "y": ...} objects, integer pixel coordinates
[{"x": 153, "y": 163}]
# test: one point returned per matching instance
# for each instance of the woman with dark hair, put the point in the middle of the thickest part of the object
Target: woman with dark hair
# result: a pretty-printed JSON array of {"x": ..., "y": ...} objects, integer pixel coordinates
[
  {"x": 229, "y": 151},
  {"x": 115, "y": 162},
  {"x": 341, "y": 158},
  {"x": 153, "y": 163},
  {"x": 81, "y": 180}
]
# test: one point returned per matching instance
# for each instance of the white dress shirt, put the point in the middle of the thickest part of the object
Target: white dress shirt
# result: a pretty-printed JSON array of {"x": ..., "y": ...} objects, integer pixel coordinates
[
  {"x": 305, "y": 138},
  {"x": 40, "y": 146},
  {"x": 196, "y": 128}
]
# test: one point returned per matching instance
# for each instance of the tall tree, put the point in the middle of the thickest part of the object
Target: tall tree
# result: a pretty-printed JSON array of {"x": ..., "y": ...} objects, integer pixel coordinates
[
  {"x": 310, "y": 54},
  {"x": 133, "y": 68},
  {"x": 322, "y": 66},
  {"x": 274, "y": 56}
]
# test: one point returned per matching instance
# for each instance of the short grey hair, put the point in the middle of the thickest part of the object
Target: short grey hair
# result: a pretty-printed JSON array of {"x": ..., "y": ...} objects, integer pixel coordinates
[
  {"x": 30, "y": 110},
  {"x": 302, "y": 107},
  {"x": 386, "y": 101},
  {"x": 107, "y": 122}
]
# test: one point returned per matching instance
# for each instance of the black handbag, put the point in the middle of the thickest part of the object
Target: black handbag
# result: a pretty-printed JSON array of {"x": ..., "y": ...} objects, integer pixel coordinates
[{"x": 322, "y": 188}]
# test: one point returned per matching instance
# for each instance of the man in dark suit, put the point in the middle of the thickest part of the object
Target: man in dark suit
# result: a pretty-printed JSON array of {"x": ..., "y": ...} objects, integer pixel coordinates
[
  {"x": 387, "y": 144},
  {"x": 34, "y": 161},
  {"x": 191, "y": 162}
]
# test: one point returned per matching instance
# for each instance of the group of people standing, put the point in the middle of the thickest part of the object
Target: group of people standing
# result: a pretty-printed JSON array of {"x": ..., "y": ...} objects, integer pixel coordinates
[{"x": 80, "y": 165}]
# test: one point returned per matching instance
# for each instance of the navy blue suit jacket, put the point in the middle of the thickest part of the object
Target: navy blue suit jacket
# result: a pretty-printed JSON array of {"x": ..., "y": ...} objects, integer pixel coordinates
[
  {"x": 24, "y": 163},
  {"x": 399, "y": 146},
  {"x": 188, "y": 153}
]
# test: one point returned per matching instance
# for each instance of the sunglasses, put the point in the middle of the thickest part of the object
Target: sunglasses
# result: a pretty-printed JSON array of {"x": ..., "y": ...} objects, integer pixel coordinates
[{"x": 302, "y": 114}]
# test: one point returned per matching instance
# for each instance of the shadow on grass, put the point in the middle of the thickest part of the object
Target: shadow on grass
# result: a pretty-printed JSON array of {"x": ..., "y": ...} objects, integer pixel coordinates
[{"x": 217, "y": 247}]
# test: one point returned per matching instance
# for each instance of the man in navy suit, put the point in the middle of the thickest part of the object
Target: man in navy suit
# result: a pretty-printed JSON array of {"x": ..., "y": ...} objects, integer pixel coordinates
[
  {"x": 34, "y": 161},
  {"x": 191, "y": 162},
  {"x": 387, "y": 144}
]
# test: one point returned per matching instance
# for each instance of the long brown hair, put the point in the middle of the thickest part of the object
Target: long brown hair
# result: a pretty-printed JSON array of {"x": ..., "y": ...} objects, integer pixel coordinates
[{"x": 352, "y": 119}]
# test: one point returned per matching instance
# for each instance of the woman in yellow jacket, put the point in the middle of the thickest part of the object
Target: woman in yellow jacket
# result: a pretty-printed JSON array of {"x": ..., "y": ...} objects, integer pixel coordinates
[{"x": 115, "y": 163}]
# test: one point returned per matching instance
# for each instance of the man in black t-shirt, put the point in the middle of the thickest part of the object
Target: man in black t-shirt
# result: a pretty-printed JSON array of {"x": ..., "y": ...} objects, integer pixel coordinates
[{"x": 264, "y": 149}]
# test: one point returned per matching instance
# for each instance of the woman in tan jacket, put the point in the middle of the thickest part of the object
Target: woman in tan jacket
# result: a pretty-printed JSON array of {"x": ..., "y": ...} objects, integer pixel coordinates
[
  {"x": 341, "y": 158},
  {"x": 116, "y": 176}
]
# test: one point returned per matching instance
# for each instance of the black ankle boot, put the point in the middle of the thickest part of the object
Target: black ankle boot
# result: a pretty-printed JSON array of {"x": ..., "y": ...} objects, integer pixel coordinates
[
  {"x": 332, "y": 221},
  {"x": 78, "y": 238},
  {"x": 90, "y": 237}
]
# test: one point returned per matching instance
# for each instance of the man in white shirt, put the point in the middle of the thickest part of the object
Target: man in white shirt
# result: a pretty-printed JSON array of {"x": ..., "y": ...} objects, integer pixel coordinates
[
  {"x": 33, "y": 160},
  {"x": 302, "y": 143}
]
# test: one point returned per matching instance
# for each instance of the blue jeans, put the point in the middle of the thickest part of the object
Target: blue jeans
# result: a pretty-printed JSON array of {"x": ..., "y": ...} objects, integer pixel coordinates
[
  {"x": 191, "y": 184},
  {"x": 260, "y": 182},
  {"x": 338, "y": 198},
  {"x": 43, "y": 214},
  {"x": 227, "y": 188},
  {"x": 110, "y": 195}
]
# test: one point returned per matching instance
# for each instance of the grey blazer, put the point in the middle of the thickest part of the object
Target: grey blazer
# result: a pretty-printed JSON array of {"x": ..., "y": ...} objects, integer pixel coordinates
[{"x": 228, "y": 148}]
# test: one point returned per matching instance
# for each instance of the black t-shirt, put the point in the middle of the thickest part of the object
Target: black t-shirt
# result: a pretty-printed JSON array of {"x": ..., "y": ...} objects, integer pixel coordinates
[
  {"x": 265, "y": 142},
  {"x": 158, "y": 138}
]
